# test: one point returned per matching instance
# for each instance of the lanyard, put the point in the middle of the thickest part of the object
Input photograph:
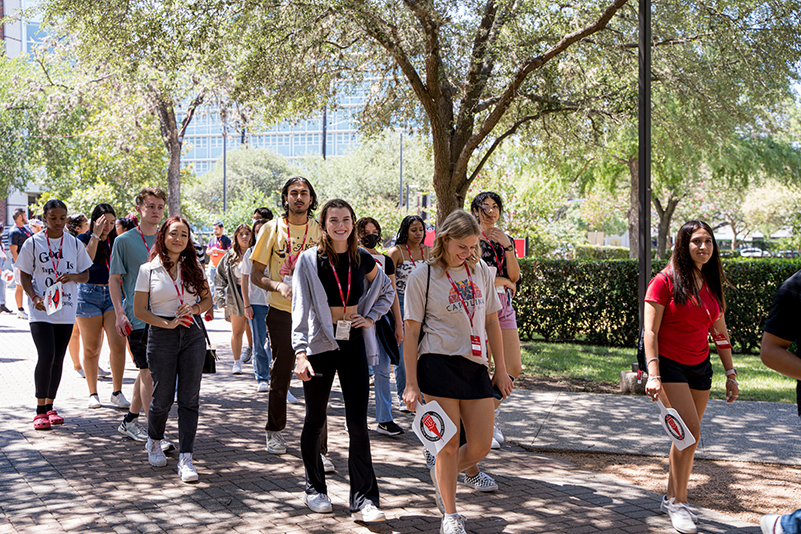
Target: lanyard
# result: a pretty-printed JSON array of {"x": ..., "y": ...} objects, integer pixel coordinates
[
  {"x": 175, "y": 283},
  {"x": 706, "y": 309},
  {"x": 143, "y": 238},
  {"x": 290, "y": 259},
  {"x": 55, "y": 260},
  {"x": 414, "y": 263},
  {"x": 472, "y": 292},
  {"x": 25, "y": 231},
  {"x": 498, "y": 259},
  {"x": 342, "y": 295}
]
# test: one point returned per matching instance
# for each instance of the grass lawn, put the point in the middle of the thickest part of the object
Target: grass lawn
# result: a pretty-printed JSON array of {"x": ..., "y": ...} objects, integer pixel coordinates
[{"x": 603, "y": 365}]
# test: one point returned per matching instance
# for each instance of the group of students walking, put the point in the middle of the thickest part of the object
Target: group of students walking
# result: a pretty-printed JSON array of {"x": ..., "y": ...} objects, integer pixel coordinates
[{"x": 330, "y": 304}]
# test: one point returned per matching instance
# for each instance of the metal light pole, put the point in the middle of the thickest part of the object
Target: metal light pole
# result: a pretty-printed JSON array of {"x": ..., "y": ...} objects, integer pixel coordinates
[
  {"x": 225, "y": 165},
  {"x": 400, "y": 188},
  {"x": 325, "y": 128},
  {"x": 644, "y": 155}
]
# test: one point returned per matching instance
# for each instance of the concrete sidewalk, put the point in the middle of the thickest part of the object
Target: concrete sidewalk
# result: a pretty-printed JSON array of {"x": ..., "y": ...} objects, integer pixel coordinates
[{"x": 85, "y": 476}]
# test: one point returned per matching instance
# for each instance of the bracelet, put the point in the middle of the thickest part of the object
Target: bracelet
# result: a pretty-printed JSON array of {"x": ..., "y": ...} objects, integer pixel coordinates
[
  {"x": 651, "y": 360},
  {"x": 96, "y": 237},
  {"x": 246, "y": 307},
  {"x": 731, "y": 372},
  {"x": 655, "y": 378},
  {"x": 733, "y": 381}
]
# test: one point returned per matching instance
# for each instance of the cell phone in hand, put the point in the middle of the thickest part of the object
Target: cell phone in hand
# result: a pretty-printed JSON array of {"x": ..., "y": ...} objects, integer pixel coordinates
[{"x": 497, "y": 392}]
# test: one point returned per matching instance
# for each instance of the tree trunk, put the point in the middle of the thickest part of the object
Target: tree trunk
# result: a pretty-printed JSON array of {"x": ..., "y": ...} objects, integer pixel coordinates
[
  {"x": 174, "y": 178},
  {"x": 665, "y": 217},
  {"x": 634, "y": 208}
]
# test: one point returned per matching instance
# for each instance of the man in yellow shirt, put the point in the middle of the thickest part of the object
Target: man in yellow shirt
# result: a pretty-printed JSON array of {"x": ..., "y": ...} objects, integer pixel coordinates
[{"x": 277, "y": 248}]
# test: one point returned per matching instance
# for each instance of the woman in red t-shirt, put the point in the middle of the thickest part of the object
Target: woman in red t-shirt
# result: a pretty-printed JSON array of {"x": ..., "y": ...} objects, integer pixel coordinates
[{"x": 683, "y": 303}]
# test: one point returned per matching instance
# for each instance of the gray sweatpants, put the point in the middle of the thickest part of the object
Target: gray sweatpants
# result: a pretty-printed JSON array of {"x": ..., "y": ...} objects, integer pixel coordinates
[{"x": 170, "y": 353}]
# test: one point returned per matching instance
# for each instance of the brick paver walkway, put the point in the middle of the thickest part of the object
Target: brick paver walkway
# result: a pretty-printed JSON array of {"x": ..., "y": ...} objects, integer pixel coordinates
[{"x": 84, "y": 476}]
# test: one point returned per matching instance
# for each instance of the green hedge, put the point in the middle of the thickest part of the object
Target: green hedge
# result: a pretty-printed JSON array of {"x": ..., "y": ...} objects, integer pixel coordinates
[
  {"x": 595, "y": 252},
  {"x": 596, "y": 301}
]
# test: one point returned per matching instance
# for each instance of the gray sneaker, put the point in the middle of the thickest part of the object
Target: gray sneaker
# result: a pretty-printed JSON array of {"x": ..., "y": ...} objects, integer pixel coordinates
[
  {"x": 319, "y": 502},
  {"x": 154, "y": 453},
  {"x": 246, "y": 355},
  {"x": 440, "y": 505},
  {"x": 276, "y": 443},
  {"x": 328, "y": 465},
  {"x": 132, "y": 430},
  {"x": 452, "y": 525}
]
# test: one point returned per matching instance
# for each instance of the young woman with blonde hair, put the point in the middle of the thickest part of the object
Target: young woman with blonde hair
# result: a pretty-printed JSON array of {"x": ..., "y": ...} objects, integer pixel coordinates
[{"x": 453, "y": 299}]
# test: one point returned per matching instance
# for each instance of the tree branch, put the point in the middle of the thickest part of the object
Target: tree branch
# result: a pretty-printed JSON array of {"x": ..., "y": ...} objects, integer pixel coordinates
[{"x": 190, "y": 112}]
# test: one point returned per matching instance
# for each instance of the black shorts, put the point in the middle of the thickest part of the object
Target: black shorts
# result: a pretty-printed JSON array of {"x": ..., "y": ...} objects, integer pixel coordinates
[
  {"x": 698, "y": 377},
  {"x": 137, "y": 342},
  {"x": 453, "y": 377}
]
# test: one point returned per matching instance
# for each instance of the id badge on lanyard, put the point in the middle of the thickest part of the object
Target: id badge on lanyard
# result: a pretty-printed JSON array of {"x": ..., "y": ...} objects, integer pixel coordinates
[
  {"x": 53, "y": 298},
  {"x": 721, "y": 342},
  {"x": 475, "y": 341}
]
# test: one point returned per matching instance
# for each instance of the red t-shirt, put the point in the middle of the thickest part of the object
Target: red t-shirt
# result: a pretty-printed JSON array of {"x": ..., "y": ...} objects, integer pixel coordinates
[{"x": 684, "y": 333}]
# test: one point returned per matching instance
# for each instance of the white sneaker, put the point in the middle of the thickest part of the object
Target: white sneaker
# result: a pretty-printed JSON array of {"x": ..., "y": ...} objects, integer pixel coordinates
[
  {"x": 94, "y": 402},
  {"x": 22, "y": 315},
  {"x": 102, "y": 373},
  {"x": 452, "y": 525},
  {"x": 369, "y": 513},
  {"x": 263, "y": 387},
  {"x": 119, "y": 400},
  {"x": 495, "y": 444},
  {"x": 440, "y": 505},
  {"x": 319, "y": 502},
  {"x": 290, "y": 398},
  {"x": 132, "y": 430},
  {"x": 771, "y": 524},
  {"x": 328, "y": 465},
  {"x": 246, "y": 355},
  {"x": 664, "y": 507},
  {"x": 237, "y": 368},
  {"x": 154, "y": 453},
  {"x": 680, "y": 516},
  {"x": 496, "y": 432},
  {"x": 166, "y": 445},
  {"x": 276, "y": 443},
  {"x": 481, "y": 482},
  {"x": 186, "y": 470}
]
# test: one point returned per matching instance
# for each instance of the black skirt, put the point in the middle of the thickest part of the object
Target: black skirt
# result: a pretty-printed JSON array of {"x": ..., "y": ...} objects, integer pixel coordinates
[{"x": 453, "y": 377}]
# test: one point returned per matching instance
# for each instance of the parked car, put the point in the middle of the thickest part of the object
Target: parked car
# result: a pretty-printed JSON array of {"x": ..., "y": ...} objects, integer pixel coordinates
[
  {"x": 787, "y": 254},
  {"x": 754, "y": 252}
]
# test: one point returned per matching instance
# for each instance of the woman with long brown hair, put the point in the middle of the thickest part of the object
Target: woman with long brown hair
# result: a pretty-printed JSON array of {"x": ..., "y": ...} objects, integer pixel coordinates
[
  {"x": 683, "y": 305},
  {"x": 228, "y": 294},
  {"x": 171, "y": 294},
  {"x": 338, "y": 293}
]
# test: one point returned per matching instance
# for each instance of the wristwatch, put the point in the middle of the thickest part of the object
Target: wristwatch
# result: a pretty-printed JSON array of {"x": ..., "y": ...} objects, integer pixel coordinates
[{"x": 510, "y": 248}]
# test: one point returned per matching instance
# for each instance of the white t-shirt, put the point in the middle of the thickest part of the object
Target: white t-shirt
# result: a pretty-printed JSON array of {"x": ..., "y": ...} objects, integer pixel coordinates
[
  {"x": 257, "y": 295},
  {"x": 447, "y": 326},
  {"x": 155, "y": 279},
  {"x": 35, "y": 260}
]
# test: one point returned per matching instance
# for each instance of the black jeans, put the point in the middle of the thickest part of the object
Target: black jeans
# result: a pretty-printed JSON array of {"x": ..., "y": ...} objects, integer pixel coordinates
[
  {"x": 178, "y": 352},
  {"x": 51, "y": 342},
  {"x": 350, "y": 362}
]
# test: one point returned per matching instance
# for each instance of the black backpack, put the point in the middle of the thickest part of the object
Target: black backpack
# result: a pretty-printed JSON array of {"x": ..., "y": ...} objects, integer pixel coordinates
[{"x": 641, "y": 365}]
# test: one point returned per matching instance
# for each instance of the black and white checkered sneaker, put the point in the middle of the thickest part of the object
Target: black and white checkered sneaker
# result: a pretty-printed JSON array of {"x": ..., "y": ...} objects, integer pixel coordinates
[{"x": 481, "y": 482}]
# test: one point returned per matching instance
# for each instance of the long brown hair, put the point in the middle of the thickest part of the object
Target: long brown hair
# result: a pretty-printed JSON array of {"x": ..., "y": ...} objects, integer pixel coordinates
[
  {"x": 238, "y": 252},
  {"x": 326, "y": 246},
  {"x": 683, "y": 268},
  {"x": 191, "y": 273}
]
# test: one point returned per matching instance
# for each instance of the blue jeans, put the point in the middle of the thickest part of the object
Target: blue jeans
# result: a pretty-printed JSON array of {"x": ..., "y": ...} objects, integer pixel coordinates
[
  {"x": 400, "y": 369},
  {"x": 791, "y": 523},
  {"x": 262, "y": 354},
  {"x": 383, "y": 393}
]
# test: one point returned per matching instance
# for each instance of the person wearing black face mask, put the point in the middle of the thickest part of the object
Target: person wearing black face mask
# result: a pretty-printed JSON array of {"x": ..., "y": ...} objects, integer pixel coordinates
[{"x": 369, "y": 233}]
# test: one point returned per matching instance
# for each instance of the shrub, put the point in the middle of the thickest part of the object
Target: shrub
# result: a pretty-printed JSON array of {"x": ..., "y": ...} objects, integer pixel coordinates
[
  {"x": 594, "y": 252},
  {"x": 596, "y": 301}
]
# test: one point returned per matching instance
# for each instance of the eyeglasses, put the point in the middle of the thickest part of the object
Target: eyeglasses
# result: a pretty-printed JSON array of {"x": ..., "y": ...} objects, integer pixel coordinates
[{"x": 487, "y": 207}]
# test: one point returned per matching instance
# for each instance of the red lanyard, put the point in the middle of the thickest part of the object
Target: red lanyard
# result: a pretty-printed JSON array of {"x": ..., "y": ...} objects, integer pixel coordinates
[
  {"x": 143, "y": 238},
  {"x": 175, "y": 284},
  {"x": 498, "y": 259},
  {"x": 290, "y": 259},
  {"x": 25, "y": 231},
  {"x": 342, "y": 295},
  {"x": 55, "y": 259},
  {"x": 414, "y": 263},
  {"x": 472, "y": 293}
]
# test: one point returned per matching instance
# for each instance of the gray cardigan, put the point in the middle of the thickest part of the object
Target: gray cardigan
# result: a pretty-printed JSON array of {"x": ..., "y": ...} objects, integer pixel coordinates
[
  {"x": 225, "y": 288},
  {"x": 312, "y": 325}
]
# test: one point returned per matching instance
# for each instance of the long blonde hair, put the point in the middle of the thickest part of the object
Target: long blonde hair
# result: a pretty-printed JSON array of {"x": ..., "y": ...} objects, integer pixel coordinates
[{"x": 458, "y": 225}]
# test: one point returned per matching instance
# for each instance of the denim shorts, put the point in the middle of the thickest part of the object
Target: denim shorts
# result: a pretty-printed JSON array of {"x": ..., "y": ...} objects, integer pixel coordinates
[
  {"x": 93, "y": 300},
  {"x": 507, "y": 317}
]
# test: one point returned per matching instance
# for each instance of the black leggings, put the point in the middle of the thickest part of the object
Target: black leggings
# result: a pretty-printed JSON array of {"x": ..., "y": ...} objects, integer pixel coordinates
[{"x": 51, "y": 342}]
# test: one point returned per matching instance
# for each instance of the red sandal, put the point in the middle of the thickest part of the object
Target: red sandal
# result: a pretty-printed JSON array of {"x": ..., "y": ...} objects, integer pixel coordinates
[
  {"x": 41, "y": 422},
  {"x": 54, "y": 418}
]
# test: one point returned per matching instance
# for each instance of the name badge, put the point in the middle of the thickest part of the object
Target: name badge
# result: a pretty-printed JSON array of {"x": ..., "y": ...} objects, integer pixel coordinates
[
  {"x": 475, "y": 343},
  {"x": 720, "y": 341},
  {"x": 500, "y": 289},
  {"x": 343, "y": 330},
  {"x": 54, "y": 300},
  {"x": 287, "y": 279}
]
